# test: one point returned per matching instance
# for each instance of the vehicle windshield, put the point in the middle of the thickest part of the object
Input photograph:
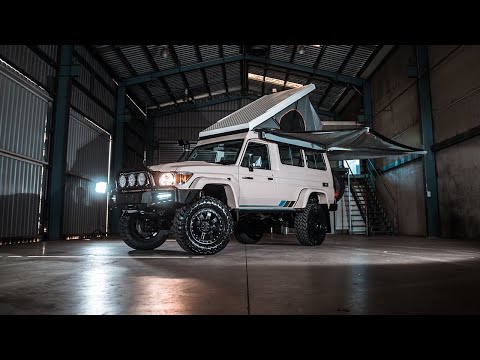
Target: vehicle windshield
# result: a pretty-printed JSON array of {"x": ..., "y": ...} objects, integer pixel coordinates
[{"x": 225, "y": 152}]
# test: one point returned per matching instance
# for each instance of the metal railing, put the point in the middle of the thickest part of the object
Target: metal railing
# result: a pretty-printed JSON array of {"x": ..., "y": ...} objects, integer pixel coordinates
[
  {"x": 376, "y": 175},
  {"x": 363, "y": 212}
]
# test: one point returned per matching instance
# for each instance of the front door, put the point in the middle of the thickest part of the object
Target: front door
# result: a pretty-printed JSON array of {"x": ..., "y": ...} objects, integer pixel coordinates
[{"x": 256, "y": 177}]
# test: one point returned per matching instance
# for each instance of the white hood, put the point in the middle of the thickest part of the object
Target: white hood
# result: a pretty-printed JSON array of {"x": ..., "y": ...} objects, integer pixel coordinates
[{"x": 183, "y": 166}]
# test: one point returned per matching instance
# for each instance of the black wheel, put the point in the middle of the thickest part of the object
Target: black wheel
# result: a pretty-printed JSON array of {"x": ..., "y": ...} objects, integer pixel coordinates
[
  {"x": 248, "y": 232},
  {"x": 141, "y": 232},
  {"x": 203, "y": 227},
  {"x": 311, "y": 225}
]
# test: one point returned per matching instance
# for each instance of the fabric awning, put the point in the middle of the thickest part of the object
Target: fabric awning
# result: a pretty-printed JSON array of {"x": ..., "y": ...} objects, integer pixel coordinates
[{"x": 351, "y": 144}]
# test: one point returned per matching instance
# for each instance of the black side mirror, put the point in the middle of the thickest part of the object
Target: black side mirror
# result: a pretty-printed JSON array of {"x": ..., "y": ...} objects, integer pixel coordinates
[{"x": 250, "y": 167}]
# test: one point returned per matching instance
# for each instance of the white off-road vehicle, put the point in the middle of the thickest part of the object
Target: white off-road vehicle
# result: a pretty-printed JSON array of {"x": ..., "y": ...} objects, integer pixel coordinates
[{"x": 250, "y": 171}]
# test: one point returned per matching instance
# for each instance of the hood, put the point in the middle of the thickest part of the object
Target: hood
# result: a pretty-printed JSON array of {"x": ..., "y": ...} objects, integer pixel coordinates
[{"x": 183, "y": 166}]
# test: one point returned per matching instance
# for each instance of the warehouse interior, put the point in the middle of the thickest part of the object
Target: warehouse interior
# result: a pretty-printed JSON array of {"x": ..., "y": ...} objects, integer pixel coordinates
[{"x": 73, "y": 116}]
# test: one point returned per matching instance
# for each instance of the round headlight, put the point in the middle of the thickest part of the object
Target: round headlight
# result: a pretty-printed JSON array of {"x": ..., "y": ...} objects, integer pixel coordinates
[
  {"x": 131, "y": 180},
  {"x": 141, "y": 179},
  {"x": 122, "y": 181},
  {"x": 167, "y": 179}
]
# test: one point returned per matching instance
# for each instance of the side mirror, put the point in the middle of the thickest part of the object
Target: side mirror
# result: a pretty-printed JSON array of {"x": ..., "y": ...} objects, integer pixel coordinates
[{"x": 250, "y": 167}]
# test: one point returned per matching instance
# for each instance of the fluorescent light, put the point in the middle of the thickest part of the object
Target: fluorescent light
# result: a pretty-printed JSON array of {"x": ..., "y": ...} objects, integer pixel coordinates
[
  {"x": 101, "y": 187},
  {"x": 316, "y": 45},
  {"x": 273, "y": 81}
]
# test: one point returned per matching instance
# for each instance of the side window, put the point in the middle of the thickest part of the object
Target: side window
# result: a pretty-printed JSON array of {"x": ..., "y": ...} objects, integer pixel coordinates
[
  {"x": 257, "y": 155},
  {"x": 290, "y": 155},
  {"x": 315, "y": 160}
]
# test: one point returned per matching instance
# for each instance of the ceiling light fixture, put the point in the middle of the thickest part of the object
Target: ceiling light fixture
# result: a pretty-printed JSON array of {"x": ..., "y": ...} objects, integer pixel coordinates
[
  {"x": 164, "y": 52},
  {"x": 301, "y": 49},
  {"x": 274, "y": 81}
]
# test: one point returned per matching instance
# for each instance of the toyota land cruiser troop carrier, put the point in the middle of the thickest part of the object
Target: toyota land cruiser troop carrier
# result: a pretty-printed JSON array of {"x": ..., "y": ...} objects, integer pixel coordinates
[{"x": 260, "y": 166}]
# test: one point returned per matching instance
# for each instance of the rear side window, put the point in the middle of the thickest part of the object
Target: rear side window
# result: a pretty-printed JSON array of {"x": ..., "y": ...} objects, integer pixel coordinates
[
  {"x": 290, "y": 155},
  {"x": 315, "y": 160}
]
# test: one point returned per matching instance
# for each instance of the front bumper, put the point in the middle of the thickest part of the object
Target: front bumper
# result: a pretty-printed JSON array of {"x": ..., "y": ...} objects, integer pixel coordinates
[{"x": 151, "y": 199}]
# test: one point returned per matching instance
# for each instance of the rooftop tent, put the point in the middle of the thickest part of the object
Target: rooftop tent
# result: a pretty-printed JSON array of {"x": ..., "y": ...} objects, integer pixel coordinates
[
  {"x": 289, "y": 117},
  {"x": 343, "y": 144},
  {"x": 288, "y": 110}
]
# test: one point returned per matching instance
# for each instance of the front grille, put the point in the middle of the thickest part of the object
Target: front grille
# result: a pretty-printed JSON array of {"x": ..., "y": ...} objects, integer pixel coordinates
[{"x": 129, "y": 198}]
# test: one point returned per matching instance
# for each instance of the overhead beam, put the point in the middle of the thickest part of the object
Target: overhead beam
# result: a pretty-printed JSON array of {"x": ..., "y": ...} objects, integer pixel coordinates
[
  {"x": 132, "y": 71},
  {"x": 154, "y": 66},
  {"x": 333, "y": 76},
  {"x": 224, "y": 70},
  {"x": 426, "y": 118},
  {"x": 267, "y": 54},
  {"x": 58, "y": 155},
  {"x": 204, "y": 73},
  {"x": 179, "y": 70},
  {"x": 199, "y": 105},
  {"x": 176, "y": 60},
  {"x": 287, "y": 73},
  {"x": 317, "y": 62},
  {"x": 340, "y": 69}
]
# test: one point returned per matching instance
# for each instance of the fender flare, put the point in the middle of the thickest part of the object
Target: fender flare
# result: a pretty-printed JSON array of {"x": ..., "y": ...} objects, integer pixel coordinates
[
  {"x": 305, "y": 194},
  {"x": 232, "y": 199}
]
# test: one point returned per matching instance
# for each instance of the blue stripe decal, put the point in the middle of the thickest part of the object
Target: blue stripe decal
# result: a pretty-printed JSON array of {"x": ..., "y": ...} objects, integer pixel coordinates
[{"x": 282, "y": 203}]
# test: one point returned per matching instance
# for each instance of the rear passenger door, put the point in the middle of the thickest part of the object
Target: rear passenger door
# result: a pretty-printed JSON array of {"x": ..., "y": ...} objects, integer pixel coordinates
[
  {"x": 318, "y": 170},
  {"x": 291, "y": 175}
]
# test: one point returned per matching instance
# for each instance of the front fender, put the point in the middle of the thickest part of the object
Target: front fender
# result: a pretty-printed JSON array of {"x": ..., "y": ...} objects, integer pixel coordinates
[{"x": 231, "y": 188}]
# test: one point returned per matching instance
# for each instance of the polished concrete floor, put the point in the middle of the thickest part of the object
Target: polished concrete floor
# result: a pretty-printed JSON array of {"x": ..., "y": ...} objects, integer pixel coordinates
[{"x": 346, "y": 275}]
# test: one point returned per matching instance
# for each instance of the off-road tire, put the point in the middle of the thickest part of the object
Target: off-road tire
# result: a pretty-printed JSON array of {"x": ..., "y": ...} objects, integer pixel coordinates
[
  {"x": 247, "y": 233},
  {"x": 186, "y": 226},
  {"x": 311, "y": 225},
  {"x": 131, "y": 237}
]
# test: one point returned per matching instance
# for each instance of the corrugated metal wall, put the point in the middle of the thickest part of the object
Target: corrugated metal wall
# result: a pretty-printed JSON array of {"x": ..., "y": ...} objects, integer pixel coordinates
[
  {"x": 24, "y": 112},
  {"x": 87, "y": 163},
  {"x": 168, "y": 151},
  {"x": 20, "y": 191},
  {"x": 188, "y": 124},
  {"x": 94, "y": 82},
  {"x": 28, "y": 62}
]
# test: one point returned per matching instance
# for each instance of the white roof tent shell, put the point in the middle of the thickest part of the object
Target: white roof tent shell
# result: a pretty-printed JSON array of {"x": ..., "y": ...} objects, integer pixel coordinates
[{"x": 266, "y": 108}]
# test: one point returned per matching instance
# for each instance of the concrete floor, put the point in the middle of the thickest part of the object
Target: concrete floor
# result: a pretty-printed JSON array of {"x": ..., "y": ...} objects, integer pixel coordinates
[{"x": 345, "y": 275}]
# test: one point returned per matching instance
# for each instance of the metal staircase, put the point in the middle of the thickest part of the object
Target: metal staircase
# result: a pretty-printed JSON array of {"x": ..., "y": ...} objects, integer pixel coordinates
[{"x": 371, "y": 218}]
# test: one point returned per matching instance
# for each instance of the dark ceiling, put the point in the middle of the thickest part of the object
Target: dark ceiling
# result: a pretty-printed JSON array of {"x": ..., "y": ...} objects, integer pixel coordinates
[{"x": 243, "y": 77}]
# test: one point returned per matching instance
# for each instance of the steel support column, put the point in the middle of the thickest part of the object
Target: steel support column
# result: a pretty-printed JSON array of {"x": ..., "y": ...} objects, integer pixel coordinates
[
  {"x": 119, "y": 142},
  {"x": 119, "y": 131},
  {"x": 429, "y": 166},
  {"x": 58, "y": 154},
  {"x": 367, "y": 104},
  {"x": 149, "y": 138}
]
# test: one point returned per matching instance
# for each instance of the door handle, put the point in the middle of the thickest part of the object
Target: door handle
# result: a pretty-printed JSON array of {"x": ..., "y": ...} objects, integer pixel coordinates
[
  {"x": 247, "y": 177},
  {"x": 270, "y": 178}
]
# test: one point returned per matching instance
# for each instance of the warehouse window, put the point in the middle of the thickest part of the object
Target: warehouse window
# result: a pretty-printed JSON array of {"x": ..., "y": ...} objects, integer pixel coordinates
[{"x": 354, "y": 166}]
